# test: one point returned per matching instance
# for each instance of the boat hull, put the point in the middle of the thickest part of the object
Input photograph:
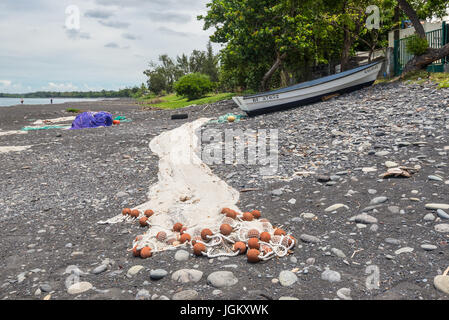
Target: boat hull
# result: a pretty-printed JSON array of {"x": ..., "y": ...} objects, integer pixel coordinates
[{"x": 310, "y": 92}]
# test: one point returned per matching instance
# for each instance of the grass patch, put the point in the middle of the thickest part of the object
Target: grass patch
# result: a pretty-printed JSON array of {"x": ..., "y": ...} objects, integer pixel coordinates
[
  {"x": 172, "y": 101},
  {"x": 441, "y": 79},
  {"x": 73, "y": 110}
]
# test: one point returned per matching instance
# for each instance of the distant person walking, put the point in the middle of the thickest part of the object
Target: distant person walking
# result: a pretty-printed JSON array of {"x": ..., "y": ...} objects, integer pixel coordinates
[
  {"x": 51, "y": 100},
  {"x": 21, "y": 101}
]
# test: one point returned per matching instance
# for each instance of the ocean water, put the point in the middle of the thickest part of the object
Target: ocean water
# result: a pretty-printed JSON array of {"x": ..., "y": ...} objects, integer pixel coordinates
[{"x": 9, "y": 102}]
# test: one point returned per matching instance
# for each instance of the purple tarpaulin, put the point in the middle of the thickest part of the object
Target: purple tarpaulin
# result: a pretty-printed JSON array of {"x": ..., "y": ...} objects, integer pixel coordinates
[{"x": 92, "y": 120}]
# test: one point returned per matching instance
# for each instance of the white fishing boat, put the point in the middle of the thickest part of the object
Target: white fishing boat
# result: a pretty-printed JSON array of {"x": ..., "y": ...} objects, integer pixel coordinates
[{"x": 310, "y": 91}]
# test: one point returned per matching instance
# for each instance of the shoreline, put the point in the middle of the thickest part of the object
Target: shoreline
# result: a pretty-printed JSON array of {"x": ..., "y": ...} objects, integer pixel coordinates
[{"x": 76, "y": 100}]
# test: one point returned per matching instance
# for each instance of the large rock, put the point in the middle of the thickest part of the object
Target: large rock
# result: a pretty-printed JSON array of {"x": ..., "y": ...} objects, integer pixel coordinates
[
  {"x": 287, "y": 278},
  {"x": 187, "y": 275},
  {"x": 185, "y": 295},
  {"x": 331, "y": 276},
  {"x": 221, "y": 279},
  {"x": 336, "y": 207},
  {"x": 309, "y": 239},
  {"x": 436, "y": 206},
  {"x": 442, "y": 227},
  {"x": 133, "y": 271},
  {"x": 79, "y": 287},
  {"x": 441, "y": 282}
]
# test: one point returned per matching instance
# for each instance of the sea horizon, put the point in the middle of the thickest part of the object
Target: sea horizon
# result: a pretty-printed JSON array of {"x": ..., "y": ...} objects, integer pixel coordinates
[{"x": 11, "y": 102}]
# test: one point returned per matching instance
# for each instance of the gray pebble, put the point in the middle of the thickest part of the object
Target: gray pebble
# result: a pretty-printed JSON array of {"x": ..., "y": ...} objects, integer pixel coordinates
[
  {"x": 331, "y": 276},
  {"x": 287, "y": 278},
  {"x": 182, "y": 255},
  {"x": 158, "y": 274},
  {"x": 221, "y": 279}
]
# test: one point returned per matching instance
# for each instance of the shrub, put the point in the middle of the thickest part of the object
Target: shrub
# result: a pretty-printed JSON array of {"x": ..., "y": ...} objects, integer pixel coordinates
[
  {"x": 193, "y": 86},
  {"x": 416, "y": 45},
  {"x": 73, "y": 110}
]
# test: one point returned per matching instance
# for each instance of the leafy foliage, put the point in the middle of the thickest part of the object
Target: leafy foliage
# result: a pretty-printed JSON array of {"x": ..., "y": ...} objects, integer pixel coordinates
[
  {"x": 162, "y": 76},
  {"x": 122, "y": 93},
  {"x": 416, "y": 45},
  {"x": 193, "y": 86}
]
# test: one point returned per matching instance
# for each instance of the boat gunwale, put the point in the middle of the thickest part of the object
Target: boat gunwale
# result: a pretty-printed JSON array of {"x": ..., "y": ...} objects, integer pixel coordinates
[{"x": 362, "y": 68}]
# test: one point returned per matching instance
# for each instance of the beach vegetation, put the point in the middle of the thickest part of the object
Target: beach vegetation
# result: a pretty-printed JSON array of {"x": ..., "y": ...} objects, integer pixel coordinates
[
  {"x": 193, "y": 86},
  {"x": 416, "y": 45},
  {"x": 163, "y": 74},
  {"x": 173, "y": 101}
]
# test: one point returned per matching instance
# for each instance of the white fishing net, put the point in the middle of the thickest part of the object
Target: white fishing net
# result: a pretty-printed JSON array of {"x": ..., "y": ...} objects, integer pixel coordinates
[{"x": 191, "y": 197}]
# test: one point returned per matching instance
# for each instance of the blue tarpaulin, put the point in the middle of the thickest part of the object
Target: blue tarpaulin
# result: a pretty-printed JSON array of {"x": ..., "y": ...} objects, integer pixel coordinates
[{"x": 92, "y": 120}]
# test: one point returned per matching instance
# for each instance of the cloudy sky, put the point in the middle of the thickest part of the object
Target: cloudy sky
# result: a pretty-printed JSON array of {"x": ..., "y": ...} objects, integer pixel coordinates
[{"x": 41, "y": 47}]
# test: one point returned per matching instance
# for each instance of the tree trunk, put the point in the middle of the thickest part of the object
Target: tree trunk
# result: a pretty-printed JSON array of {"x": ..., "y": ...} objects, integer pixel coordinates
[
  {"x": 397, "y": 20},
  {"x": 422, "y": 61},
  {"x": 431, "y": 55},
  {"x": 347, "y": 44},
  {"x": 411, "y": 13},
  {"x": 266, "y": 78}
]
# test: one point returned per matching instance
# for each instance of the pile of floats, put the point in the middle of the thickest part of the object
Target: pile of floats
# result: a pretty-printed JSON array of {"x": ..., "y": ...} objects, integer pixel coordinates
[{"x": 258, "y": 246}]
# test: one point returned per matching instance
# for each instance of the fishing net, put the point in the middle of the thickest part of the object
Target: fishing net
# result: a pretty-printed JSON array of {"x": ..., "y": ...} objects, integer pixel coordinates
[
  {"x": 191, "y": 207},
  {"x": 44, "y": 128},
  {"x": 92, "y": 120},
  {"x": 225, "y": 118}
]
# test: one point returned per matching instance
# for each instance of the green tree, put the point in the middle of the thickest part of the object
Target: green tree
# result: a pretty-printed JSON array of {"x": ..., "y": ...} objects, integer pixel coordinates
[
  {"x": 416, "y": 10},
  {"x": 193, "y": 86},
  {"x": 266, "y": 37}
]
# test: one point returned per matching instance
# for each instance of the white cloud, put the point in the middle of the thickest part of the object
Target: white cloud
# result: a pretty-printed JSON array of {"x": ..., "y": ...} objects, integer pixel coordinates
[
  {"x": 115, "y": 24},
  {"x": 38, "y": 52},
  {"x": 5, "y": 83},
  {"x": 99, "y": 13},
  {"x": 60, "y": 87}
]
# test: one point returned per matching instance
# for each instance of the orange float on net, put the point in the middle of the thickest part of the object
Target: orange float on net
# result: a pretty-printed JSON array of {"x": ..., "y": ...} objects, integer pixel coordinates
[
  {"x": 247, "y": 216},
  {"x": 185, "y": 237},
  {"x": 135, "y": 213},
  {"x": 288, "y": 241},
  {"x": 205, "y": 234},
  {"x": 195, "y": 239},
  {"x": 228, "y": 220},
  {"x": 116, "y": 122},
  {"x": 253, "y": 243},
  {"x": 148, "y": 213},
  {"x": 161, "y": 236},
  {"x": 253, "y": 233},
  {"x": 279, "y": 232},
  {"x": 265, "y": 237},
  {"x": 231, "y": 214},
  {"x": 225, "y": 229},
  {"x": 136, "y": 253},
  {"x": 145, "y": 252},
  {"x": 126, "y": 211},
  {"x": 198, "y": 248},
  {"x": 177, "y": 227},
  {"x": 143, "y": 222},
  {"x": 265, "y": 249},
  {"x": 225, "y": 210},
  {"x": 256, "y": 214},
  {"x": 294, "y": 240},
  {"x": 240, "y": 246},
  {"x": 253, "y": 255}
]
